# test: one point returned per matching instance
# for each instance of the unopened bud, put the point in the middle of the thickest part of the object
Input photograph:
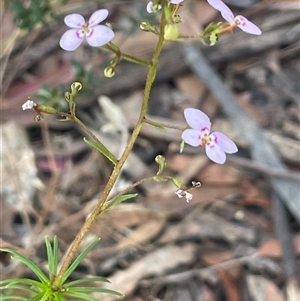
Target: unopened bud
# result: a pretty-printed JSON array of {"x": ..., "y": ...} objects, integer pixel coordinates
[
  {"x": 177, "y": 19},
  {"x": 171, "y": 32},
  {"x": 145, "y": 26},
  {"x": 68, "y": 97},
  {"x": 75, "y": 87},
  {"x": 109, "y": 72},
  {"x": 47, "y": 109}
]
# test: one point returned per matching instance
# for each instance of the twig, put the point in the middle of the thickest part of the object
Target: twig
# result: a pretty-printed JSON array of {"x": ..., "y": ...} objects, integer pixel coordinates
[
  {"x": 285, "y": 238},
  {"x": 270, "y": 171}
]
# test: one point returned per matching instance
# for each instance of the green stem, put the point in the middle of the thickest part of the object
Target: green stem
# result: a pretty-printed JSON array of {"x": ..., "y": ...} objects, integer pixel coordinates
[
  {"x": 112, "y": 47},
  {"x": 89, "y": 132},
  {"x": 166, "y": 125},
  {"x": 117, "y": 169},
  {"x": 130, "y": 187}
]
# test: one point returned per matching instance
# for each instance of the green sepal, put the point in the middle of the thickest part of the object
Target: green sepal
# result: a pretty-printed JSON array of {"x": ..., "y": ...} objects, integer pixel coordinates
[
  {"x": 177, "y": 182},
  {"x": 182, "y": 144}
]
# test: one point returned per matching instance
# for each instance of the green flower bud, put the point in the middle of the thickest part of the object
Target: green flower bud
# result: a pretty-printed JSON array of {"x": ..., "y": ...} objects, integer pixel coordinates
[
  {"x": 171, "y": 32},
  {"x": 161, "y": 161},
  {"x": 47, "y": 109},
  {"x": 109, "y": 72},
  {"x": 145, "y": 26},
  {"x": 75, "y": 87},
  {"x": 177, "y": 19}
]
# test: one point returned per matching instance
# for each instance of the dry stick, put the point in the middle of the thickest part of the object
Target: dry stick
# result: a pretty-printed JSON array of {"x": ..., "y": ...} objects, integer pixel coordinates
[
  {"x": 285, "y": 237},
  {"x": 201, "y": 273},
  {"x": 262, "y": 150},
  {"x": 269, "y": 171}
]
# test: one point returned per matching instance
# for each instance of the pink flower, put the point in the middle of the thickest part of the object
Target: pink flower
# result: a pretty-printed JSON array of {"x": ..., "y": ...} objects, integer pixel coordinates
[
  {"x": 96, "y": 35},
  {"x": 182, "y": 193},
  {"x": 216, "y": 144},
  {"x": 238, "y": 21},
  {"x": 150, "y": 5}
]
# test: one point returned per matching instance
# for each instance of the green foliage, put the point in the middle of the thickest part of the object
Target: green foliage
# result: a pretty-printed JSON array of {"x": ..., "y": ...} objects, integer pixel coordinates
[
  {"x": 43, "y": 288},
  {"x": 120, "y": 199},
  {"x": 52, "y": 96},
  {"x": 28, "y": 14},
  {"x": 101, "y": 149}
]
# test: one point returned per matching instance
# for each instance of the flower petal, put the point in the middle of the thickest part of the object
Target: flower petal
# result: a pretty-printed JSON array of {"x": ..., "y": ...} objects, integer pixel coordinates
[
  {"x": 215, "y": 153},
  {"x": 223, "y": 9},
  {"x": 74, "y": 20},
  {"x": 97, "y": 17},
  {"x": 179, "y": 193},
  {"x": 100, "y": 36},
  {"x": 225, "y": 143},
  {"x": 176, "y": 1},
  {"x": 191, "y": 137},
  {"x": 246, "y": 25},
  {"x": 188, "y": 196},
  {"x": 149, "y": 7},
  {"x": 28, "y": 105},
  {"x": 196, "y": 119},
  {"x": 70, "y": 41}
]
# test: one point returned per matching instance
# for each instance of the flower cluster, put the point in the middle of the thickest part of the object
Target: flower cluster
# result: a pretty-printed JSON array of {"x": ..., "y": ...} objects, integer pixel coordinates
[
  {"x": 234, "y": 21},
  {"x": 216, "y": 144},
  {"x": 96, "y": 35}
]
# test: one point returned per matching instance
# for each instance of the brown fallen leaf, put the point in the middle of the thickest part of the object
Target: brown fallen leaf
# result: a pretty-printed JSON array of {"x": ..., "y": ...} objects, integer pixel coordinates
[
  {"x": 262, "y": 289},
  {"x": 154, "y": 264}
]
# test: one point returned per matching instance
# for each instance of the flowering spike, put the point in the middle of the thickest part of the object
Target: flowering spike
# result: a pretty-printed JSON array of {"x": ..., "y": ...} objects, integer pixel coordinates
[
  {"x": 216, "y": 144},
  {"x": 96, "y": 35},
  {"x": 238, "y": 21}
]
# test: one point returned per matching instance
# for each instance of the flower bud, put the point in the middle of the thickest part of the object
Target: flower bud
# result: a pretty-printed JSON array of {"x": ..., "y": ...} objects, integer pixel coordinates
[
  {"x": 109, "y": 72},
  {"x": 145, "y": 26},
  {"x": 171, "y": 32},
  {"x": 161, "y": 161},
  {"x": 47, "y": 109},
  {"x": 68, "y": 97},
  {"x": 75, "y": 87},
  {"x": 177, "y": 19}
]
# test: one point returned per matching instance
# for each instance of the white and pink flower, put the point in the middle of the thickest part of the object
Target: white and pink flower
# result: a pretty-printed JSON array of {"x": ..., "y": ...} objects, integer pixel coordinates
[
  {"x": 28, "y": 105},
  {"x": 96, "y": 35},
  {"x": 235, "y": 21},
  {"x": 183, "y": 193},
  {"x": 216, "y": 144}
]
